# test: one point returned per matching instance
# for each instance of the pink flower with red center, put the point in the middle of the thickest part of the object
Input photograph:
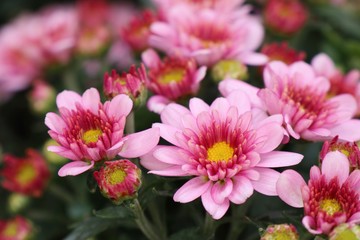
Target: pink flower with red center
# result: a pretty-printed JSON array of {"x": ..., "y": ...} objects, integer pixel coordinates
[
  {"x": 349, "y": 149},
  {"x": 89, "y": 131},
  {"x": 296, "y": 92},
  {"x": 131, "y": 83},
  {"x": 330, "y": 198},
  {"x": 225, "y": 149},
  {"x": 17, "y": 228},
  {"x": 118, "y": 180},
  {"x": 137, "y": 33},
  {"x": 171, "y": 78},
  {"x": 209, "y": 36},
  {"x": 26, "y": 175},
  {"x": 282, "y": 52},
  {"x": 285, "y": 16},
  {"x": 339, "y": 83}
]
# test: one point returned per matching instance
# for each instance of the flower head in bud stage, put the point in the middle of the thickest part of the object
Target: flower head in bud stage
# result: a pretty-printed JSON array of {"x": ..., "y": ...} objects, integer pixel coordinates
[
  {"x": 282, "y": 52},
  {"x": 209, "y": 36},
  {"x": 137, "y": 33},
  {"x": 285, "y": 16},
  {"x": 226, "y": 149},
  {"x": 28, "y": 175},
  {"x": 171, "y": 78},
  {"x": 345, "y": 231},
  {"x": 330, "y": 198},
  {"x": 42, "y": 96},
  {"x": 118, "y": 180},
  {"x": 131, "y": 83},
  {"x": 17, "y": 228},
  {"x": 296, "y": 92},
  {"x": 280, "y": 232},
  {"x": 339, "y": 82},
  {"x": 88, "y": 131},
  {"x": 349, "y": 149},
  {"x": 229, "y": 69}
]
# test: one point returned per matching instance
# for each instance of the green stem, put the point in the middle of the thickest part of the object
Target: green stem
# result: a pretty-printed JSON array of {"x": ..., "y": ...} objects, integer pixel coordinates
[
  {"x": 143, "y": 223},
  {"x": 209, "y": 227},
  {"x": 61, "y": 193},
  {"x": 130, "y": 123}
]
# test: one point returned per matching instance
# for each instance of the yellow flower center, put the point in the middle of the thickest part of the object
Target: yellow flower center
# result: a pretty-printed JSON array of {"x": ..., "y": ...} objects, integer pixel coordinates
[
  {"x": 229, "y": 68},
  {"x": 91, "y": 136},
  {"x": 10, "y": 230},
  {"x": 220, "y": 151},
  {"x": 330, "y": 206},
  {"x": 346, "y": 235},
  {"x": 121, "y": 81},
  {"x": 345, "y": 152},
  {"x": 26, "y": 174},
  {"x": 174, "y": 75},
  {"x": 281, "y": 236},
  {"x": 116, "y": 176}
]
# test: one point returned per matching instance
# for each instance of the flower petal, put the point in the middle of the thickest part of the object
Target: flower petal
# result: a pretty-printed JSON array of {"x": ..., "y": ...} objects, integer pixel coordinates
[
  {"x": 267, "y": 181},
  {"x": 54, "y": 122},
  {"x": 198, "y": 106},
  {"x": 67, "y": 99},
  {"x": 74, "y": 168},
  {"x": 91, "y": 100},
  {"x": 157, "y": 103},
  {"x": 289, "y": 187},
  {"x": 221, "y": 190},
  {"x": 192, "y": 189},
  {"x": 119, "y": 106},
  {"x": 217, "y": 211},
  {"x": 309, "y": 224},
  {"x": 279, "y": 159},
  {"x": 152, "y": 163},
  {"x": 242, "y": 190},
  {"x": 171, "y": 155},
  {"x": 335, "y": 164}
]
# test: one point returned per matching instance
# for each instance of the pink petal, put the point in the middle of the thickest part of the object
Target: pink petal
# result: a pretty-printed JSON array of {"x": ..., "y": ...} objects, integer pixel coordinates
[
  {"x": 272, "y": 71},
  {"x": 64, "y": 152},
  {"x": 240, "y": 101},
  {"x": 267, "y": 181},
  {"x": 354, "y": 180},
  {"x": 302, "y": 70},
  {"x": 55, "y": 122},
  {"x": 200, "y": 74},
  {"x": 157, "y": 103},
  {"x": 198, "y": 106},
  {"x": 152, "y": 163},
  {"x": 335, "y": 164},
  {"x": 270, "y": 100},
  {"x": 172, "y": 115},
  {"x": 253, "y": 58},
  {"x": 192, "y": 189},
  {"x": 355, "y": 218},
  {"x": 75, "y": 168},
  {"x": 221, "y": 190},
  {"x": 242, "y": 190},
  {"x": 323, "y": 65},
  {"x": 221, "y": 105},
  {"x": 140, "y": 143},
  {"x": 279, "y": 159},
  {"x": 171, "y": 155},
  {"x": 309, "y": 224},
  {"x": 119, "y": 106},
  {"x": 150, "y": 58},
  {"x": 346, "y": 107},
  {"x": 67, "y": 99},
  {"x": 168, "y": 133},
  {"x": 217, "y": 211},
  {"x": 91, "y": 100},
  {"x": 346, "y": 131},
  {"x": 173, "y": 171},
  {"x": 270, "y": 135},
  {"x": 289, "y": 187}
]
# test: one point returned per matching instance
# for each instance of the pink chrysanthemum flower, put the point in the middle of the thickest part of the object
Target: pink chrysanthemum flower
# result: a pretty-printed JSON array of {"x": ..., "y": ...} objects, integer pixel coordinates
[
  {"x": 209, "y": 36},
  {"x": 302, "y": 98},
  {"x": 330, "y": 197},
  {"x": 280, "y": 231},
  {"x": 27, "y": 176},
  {"x": 223, "y": 147},
  {"x": 339, "y": 83},
  {"x": 118, "y": 180},
  {"x": 16, "y": 228},
  {"x": 171, "y": 78},
  {"x": 282, "y": 52},
  {"x": 89, "y": 131},
  {"x": 285, "y": 16}
]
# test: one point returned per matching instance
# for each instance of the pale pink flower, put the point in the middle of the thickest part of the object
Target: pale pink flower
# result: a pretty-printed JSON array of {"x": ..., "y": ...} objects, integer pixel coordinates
[
  {"x": 89, "y": 131},
  {"x": 16, "y": 228},
  {"x": 209, "y": 36},
  {"x": 227, "y": 153},
  {"x": 302, "y": 98},
  {"x": 330, "y": 198},
  {"x": 339, "y": 82},
  {"x": 171, "y": 78}
]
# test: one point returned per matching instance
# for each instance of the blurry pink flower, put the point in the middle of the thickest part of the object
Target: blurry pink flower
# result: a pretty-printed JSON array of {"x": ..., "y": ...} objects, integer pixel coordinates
[
  {"x": 118, "y": 180},
  {"x": 330, "y": 198},
  {"x": 42, "y": 96},
  {"x": 339, "y": 83},
  {"x": 16, "y": 228},
  {"x": 171, "y": 78},
  {"x": 93, "y": 40},
  {"x": 92, "y": 13},
  {"x": 285, "y": 16},
  {"x": 89, "y": 131},
  {"x": 223, "y": 148},
  {"x": 28, "y": 175},
  {"x": 209, "y": 36},
  {"x": 282, "y": 52},
  {"x": 280, "y": 231}
]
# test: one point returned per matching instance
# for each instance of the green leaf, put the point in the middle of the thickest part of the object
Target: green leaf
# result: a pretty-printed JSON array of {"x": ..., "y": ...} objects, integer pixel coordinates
[
  {"x": 188, "y": 234},
  {"x": 114, "y": 212}
]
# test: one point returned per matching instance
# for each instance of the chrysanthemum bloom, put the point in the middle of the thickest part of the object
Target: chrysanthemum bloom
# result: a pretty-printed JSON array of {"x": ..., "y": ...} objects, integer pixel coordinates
[
  {"x": 282, "y": 52},
  {"x": 349, "y": 149},
  {"x": 345, "y": 231},
  {"x": 339, "y": 83},
  {"x": 137, "y": 33},
  {"x": 171, "y": 78},
  {"x": 89, "y": 131},
  {"x": 330, "y": 198},
  {"x": 285, "y": 16},
  {"x": 118, "y": 180},
  {"x": 17, "y": 228},
  {"x": 225, "y": 150},
  {"x": 28, "y": 175},
  {"x": 131, "y": 83},
  {"x": 209, "y": 36},
  {"x": 280, "y": 231},
  {"x": 229, "y": 69}
]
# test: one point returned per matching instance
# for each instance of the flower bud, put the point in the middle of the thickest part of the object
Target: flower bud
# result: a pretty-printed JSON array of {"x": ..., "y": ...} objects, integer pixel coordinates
[
  {"x": 118, "y": 180},
  {"x": 345, "y": 231},
  {"x": 280, "y": 231},
  {"x": 229, "y": 69},
  {"x": 41, "y": 97}
]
